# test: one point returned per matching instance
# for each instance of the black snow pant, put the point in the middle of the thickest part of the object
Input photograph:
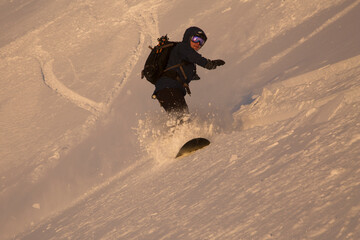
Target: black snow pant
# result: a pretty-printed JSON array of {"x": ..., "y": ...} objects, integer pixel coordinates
[{"x": 173, "y": 101}]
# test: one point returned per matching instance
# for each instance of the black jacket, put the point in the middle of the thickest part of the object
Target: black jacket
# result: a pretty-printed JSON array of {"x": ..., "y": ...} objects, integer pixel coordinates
[{"x": 182, "y": 53}]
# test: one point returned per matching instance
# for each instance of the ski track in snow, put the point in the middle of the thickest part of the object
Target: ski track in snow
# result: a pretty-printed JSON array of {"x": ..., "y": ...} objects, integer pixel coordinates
[
  {"x": 52, "y": 82},
  {"x": 133, "y": 17}
]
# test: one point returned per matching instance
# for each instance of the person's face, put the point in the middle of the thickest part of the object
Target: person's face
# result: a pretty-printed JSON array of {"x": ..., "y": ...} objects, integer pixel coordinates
[
  {"x": 196, "y": 42},
  {"x": 195, "y": 46}
]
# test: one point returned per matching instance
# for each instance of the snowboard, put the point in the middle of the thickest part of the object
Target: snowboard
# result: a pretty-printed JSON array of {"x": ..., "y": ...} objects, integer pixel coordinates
[{"x": 192, "y": 146}]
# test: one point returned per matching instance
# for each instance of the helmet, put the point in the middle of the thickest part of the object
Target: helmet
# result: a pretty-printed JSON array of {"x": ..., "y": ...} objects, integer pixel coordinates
[
  {"x": 194, "y": 31},
  {"x": 201, "y": 34}
]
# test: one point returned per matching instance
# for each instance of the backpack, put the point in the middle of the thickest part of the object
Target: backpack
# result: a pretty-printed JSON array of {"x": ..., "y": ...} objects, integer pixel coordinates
[{"x": 157, "y": 60}]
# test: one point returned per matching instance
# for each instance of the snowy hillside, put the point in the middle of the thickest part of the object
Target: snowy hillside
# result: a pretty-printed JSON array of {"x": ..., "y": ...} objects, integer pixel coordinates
[{"x": 82, "y": 149}]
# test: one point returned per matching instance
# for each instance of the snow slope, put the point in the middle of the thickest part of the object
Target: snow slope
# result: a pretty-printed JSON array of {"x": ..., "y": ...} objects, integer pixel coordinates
[{"x": 282, "y": 115}]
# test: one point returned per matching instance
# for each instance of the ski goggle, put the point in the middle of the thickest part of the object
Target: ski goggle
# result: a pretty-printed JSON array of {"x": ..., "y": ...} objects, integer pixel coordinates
[{"x": 197, "y": 39}]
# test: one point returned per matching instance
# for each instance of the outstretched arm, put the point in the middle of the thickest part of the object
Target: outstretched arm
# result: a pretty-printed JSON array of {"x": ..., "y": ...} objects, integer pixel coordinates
[
  {"x": 194, "y": 57},
  {"x": 212, "y": 64}
]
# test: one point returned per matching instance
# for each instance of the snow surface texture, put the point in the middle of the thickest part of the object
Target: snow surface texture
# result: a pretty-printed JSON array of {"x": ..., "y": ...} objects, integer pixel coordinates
[{"x": 85, "y": 152}]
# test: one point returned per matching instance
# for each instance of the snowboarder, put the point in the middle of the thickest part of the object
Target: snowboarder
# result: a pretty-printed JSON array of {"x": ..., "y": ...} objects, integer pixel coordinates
[{"x": 172, "y": 86}]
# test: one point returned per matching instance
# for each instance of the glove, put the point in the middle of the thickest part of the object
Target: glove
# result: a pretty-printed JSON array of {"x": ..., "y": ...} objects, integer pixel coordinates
[{"x": 212, "y": 64}]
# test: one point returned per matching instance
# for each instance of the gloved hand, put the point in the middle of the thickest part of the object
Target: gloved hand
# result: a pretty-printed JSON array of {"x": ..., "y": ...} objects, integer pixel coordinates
[{"x": 212, "y": 64}]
